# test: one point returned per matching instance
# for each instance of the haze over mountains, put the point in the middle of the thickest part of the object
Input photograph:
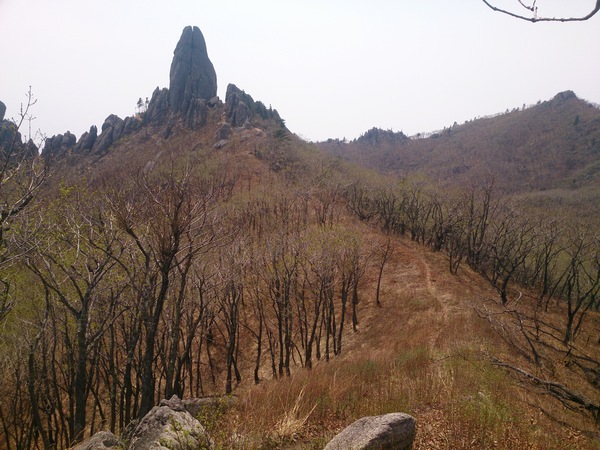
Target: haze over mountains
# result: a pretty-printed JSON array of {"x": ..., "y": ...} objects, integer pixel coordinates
[{"x": 553, "y": 144}]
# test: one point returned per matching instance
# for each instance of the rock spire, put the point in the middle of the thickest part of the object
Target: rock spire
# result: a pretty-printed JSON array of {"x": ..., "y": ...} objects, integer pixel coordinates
[{"x": 192, "y": 75}]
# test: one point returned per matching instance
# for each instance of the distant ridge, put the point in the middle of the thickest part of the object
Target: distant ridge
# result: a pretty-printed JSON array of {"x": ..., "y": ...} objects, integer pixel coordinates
[{"x": 555, "y": 143}]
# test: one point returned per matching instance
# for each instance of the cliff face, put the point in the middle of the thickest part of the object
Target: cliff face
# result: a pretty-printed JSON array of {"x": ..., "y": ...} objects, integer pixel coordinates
[{"x": 192, "y": 75}]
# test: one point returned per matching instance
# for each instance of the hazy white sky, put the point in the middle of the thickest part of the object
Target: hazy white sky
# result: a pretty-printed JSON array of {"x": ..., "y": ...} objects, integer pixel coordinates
[{"x": 332, "y": 68}]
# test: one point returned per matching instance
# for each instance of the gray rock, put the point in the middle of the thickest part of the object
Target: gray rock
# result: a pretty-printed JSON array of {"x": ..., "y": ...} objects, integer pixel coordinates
[
  {"x": 222, "y": 143},
  {"x": 10, "y": 138},
  {"x": 103, "y": 142},
  {"x": 238, "y": 106},
  {"x": 131, "y": 124},
  {"x": 86, "y": 141},
  {"x": 158, "y": 108},
  {"x": 192, "y": 74},
  {"x": 2, "y": 111},
  {"x": 391, "y": 431},
  {"x": 113, "y": 129},
  {"x": 215, "y": 101},
  {"x": 103, "y": 440},
  {"x": 111, "y": 121},
  {"x": 165, "y": 428},
  {"x": 59, "y": 144},
  {"x": 223, "y": 132},
  {"x": 196, "y": 114},
  {"x": 175, "y": 403}
]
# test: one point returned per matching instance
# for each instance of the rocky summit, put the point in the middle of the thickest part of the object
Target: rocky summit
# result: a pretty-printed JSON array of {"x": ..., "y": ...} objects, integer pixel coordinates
[{"x": 192, "y": 75}]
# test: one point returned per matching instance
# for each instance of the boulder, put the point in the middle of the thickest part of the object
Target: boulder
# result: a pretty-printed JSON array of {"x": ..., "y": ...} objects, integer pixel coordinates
[
  {"x": 103, "y": 142},
  {"x": 86, "y": 141},
  {"x": 103, "y": 440},
  {"x": 10, "y": 138},
  {"x": 130, "y": 124},
  {"x": 59, "y": 144},
  {"x": 223, "y": 132},
  {"x": 158, "y": 108},
  {"x": 169, "y": 426},
  {"x": 2, "y": 111},
  {"x": 222, "y": 143},
  {"x": 196, "y": 114},
  {"x": 238, "y": 106},
  {"x": 113, "y": 129},
  {"x": 192, "y": 74},
  {"x": 391, "y": 431},
  {"x": 215, "y": 101}
]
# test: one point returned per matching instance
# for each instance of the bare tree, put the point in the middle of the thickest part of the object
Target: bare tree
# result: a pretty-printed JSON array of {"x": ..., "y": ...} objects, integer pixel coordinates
[
  {"x": 175, "y": 220},
  {"x": 383, "y": 253},
  {"x": 22, "y": 173}
]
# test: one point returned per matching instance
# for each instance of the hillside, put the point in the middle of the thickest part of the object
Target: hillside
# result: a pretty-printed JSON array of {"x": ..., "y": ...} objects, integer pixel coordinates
[
  {"x": 549, "y": 153},
  {"x": 200, "y": 249}
]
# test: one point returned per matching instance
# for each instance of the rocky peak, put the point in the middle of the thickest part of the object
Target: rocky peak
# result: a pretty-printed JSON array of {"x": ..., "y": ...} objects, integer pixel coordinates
[
  {"x": 376, "y": 136},
  {"x": 192, "y": 75}
]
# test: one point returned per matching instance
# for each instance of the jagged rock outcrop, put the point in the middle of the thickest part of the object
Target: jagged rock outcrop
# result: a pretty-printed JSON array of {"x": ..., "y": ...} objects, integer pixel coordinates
[
  {"x": 107, "y": 135},
  {"x": 104, "y": 440},
  {"x": 87, "y": 140},
  {"x": 193, "y": 80},
  {"x": 158, "y": 108},
  {"x": 9, "y": 137},
  {"x": 562, "y": 97},
  {"x": 377, "y": 136},
  {"x": 11, "y": 143},
  {"x": 391, "y": 431},
  {"x": 238, "y": 106},
  {"x": 241, "y": 107},
  {"x": 2, "y": 111},
  {"x": 113, "y": 129},
  {"x": 59, "y": 144}
]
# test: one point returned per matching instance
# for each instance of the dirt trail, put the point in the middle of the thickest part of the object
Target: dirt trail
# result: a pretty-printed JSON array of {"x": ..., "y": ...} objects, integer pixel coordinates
[{"x": 420, "y": 300}]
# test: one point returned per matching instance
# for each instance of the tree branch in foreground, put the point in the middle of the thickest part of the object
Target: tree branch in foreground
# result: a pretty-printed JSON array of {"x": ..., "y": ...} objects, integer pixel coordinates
[
  {"x": 544, "y": 19},
  {"x": 567, "y": 397}
]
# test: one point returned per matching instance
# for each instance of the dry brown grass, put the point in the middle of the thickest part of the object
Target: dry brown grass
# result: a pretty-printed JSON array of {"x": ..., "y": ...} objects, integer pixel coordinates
[{"x": 424, "y": 352}]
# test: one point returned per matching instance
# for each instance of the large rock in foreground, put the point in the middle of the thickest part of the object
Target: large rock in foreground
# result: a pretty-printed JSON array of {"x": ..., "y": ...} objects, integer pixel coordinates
[
  {"x": 391, "y": 431},
  {"x": 169, "y": 427}
]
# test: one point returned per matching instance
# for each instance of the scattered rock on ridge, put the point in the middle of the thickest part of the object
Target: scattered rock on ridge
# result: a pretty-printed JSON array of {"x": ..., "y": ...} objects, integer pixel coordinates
[
  {"x": 158, "y": 108},
  {"x": 223, "y": 132},
  {"x": 390, "y": 431},
  {"x": 86, "y": 141},
  {"x": 59, "y": 144},
  {"x": 238, "y": 106}
]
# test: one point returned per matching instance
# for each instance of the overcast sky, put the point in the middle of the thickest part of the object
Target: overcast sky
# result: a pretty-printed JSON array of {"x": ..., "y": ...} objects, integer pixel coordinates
[{"x": 332, "y": 68}]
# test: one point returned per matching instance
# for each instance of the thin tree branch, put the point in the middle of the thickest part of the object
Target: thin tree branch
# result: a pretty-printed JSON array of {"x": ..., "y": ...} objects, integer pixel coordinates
[{"x": 545, "y": 19}]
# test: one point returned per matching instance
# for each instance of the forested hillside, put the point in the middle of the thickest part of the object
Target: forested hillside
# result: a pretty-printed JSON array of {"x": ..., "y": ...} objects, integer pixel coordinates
[{"x": 546, "y": 153}]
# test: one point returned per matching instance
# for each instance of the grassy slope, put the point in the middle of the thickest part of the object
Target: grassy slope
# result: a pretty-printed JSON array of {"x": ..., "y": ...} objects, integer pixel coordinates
[{"x": 425, "y": 352}]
